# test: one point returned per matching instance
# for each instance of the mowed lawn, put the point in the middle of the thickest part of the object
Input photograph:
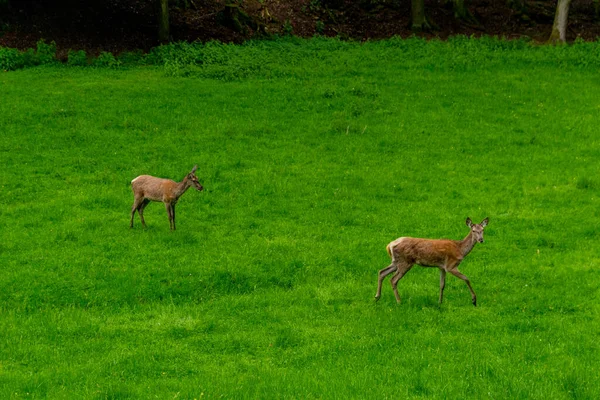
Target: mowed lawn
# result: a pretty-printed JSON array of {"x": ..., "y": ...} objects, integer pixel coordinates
[{"x": 313, "y": 159}]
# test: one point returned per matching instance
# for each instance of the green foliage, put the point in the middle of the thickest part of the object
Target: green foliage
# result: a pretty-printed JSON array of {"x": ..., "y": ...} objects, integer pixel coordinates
[
  {"x": 182, "y": 53},
  {"x": 45, "y": 52},
  {"x": 288, "y": 28},
  {"x": 272, "y": 58},
  {"x": 77, "y": 58},
  {"x": 224, "y": 61},
  {"x": 320, "y": 27},
  {"x": 11, "y": 59},
  {"x": 131, "y": 58},
  {"x": 314, "y": 154},
  {"x": 106, "y": 60},
  {"x": 213, "y": 60},
  {"x": 277, "y": 58}
]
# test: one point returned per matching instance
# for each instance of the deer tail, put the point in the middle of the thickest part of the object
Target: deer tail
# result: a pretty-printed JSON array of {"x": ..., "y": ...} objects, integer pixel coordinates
[{"x": 389, "y": 251}]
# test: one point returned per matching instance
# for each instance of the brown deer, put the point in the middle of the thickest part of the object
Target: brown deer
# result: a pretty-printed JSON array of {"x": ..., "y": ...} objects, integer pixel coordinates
[
  {"x": 148, "y": 188},
  {"x": 442, "y": 253}
]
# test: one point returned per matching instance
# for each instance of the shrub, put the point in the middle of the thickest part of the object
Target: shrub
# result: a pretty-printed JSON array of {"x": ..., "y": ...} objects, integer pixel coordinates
[
  {"x": 288, "y": 28},
  {"x": 77, "y": 58},
  {"x": 46, "y": 52},
  {"x": 10, "y": 59},
  {"x": 106, "y": 59},
  {"x": 180, "y": 53},
  {"x": 131, "y": 58},
  {"x": 320, "y": 27},
  {"x": 29, "y": 58},
  {"x": 178, "y": 69}
]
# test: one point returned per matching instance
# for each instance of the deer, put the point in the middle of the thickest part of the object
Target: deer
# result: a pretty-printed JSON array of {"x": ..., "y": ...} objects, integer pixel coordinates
[
  {"x": 148, "y": 188},
  {"x": 444, "y": 254}
]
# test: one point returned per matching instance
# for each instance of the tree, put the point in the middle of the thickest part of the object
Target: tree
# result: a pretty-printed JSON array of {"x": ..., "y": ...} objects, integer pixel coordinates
[
  {"x": 419, "y": 21},
  {"x": 559, "y": 28},
  {"x": 163, "y": 21},
  {"x": 461, "y": 11}
]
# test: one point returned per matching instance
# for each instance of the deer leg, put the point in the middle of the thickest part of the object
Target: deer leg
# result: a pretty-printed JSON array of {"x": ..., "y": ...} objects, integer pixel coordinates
[
  {"x": 140, "y": 210},
  {"x": 382, "y": 274},
  {"x": 457, "y": 273},
  {"x": 170, "y": 213},
  {"x": 136, "y": 203},
  {"x": 442, "y": 283},
  {"x": 403, "y": 268},
  {"x": 173, "y": 214}
]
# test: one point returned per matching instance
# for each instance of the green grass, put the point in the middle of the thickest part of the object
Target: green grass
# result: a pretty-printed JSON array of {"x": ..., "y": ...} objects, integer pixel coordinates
[{"x": 314, "y": 155}]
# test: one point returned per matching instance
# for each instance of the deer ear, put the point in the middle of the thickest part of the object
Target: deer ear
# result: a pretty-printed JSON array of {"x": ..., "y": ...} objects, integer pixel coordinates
[
  {"x": 194, "y": 169},
  {"x": 484, "y": 222},
  {"x": 469, "y": 222}
]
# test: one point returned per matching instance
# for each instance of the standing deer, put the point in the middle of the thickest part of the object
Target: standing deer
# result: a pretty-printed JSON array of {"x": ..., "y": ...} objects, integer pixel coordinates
[
  {"x": 146, "y": 188},
  {"x": 442, "y": 253}
]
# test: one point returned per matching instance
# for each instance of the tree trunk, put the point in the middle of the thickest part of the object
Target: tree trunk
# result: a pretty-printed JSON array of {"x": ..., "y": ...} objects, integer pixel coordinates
[
  {"x": 461, "y": 11},
  {"x": 163, "y": 21},
  {"x": 419, "y": 22},
  {"x": 559, "y": 28}
]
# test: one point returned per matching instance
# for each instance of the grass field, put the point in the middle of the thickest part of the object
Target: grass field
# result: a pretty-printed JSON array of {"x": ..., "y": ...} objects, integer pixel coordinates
[{"x": 314, "y": 155}]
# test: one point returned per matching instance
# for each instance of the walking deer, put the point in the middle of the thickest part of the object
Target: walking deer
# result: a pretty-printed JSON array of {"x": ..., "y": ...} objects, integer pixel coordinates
[
  {"x": 442, "y": 253},
  {"x": 148, "y": 188}
]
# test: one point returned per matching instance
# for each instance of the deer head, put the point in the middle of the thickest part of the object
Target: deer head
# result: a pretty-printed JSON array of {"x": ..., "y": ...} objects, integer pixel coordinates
[
  {"x": 194, "y": 179},
  {"x": 477, "y": 229}
]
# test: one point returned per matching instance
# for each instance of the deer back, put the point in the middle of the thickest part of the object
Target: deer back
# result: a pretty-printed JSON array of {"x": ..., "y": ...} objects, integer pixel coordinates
[
  {"x": 152, "y": 188},
  {"x": 425, "y": 252}
]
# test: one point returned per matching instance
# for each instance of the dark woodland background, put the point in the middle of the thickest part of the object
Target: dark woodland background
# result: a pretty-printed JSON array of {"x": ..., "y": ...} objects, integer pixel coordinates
[{"x": 120, "y": 25}]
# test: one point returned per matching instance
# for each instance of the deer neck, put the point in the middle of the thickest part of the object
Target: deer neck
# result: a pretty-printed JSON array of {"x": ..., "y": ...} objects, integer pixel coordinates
[
  {"x": 467, "y": 244},
  {"x": 182, "y": 187}
]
